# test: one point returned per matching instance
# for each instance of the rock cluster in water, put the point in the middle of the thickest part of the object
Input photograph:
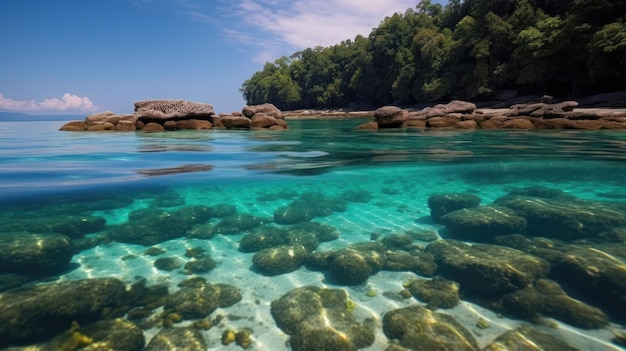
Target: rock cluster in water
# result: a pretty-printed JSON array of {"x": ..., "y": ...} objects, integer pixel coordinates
[
  {"x": 536, "y": 253},
  {"x": 168, "y": 115},
  {"x": 464, "y": 115}
]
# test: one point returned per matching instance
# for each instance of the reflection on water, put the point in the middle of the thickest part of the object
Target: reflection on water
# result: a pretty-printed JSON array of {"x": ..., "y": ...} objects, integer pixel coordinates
[{"x": 216, "y": 230}]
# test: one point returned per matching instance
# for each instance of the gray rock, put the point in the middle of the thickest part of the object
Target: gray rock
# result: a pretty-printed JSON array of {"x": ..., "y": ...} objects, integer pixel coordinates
[{"x": 390, "y": 116}]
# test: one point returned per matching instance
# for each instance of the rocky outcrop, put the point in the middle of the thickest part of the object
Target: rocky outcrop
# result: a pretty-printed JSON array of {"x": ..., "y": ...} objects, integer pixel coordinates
[
  {"x": 527, "y": 115},
  {"x": 169, "y": 115}
]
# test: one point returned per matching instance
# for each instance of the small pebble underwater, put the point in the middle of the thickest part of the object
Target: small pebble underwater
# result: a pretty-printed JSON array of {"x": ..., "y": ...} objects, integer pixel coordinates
[{"x": 319, "y": 237}]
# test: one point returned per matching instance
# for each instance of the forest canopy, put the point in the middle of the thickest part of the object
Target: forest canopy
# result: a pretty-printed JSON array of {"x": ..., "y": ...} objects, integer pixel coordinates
[{"x": 465, "y": 50}]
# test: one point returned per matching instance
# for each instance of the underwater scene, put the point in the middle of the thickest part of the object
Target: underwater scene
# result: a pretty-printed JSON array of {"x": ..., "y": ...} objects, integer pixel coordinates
[{"x": 319, "y": 237}]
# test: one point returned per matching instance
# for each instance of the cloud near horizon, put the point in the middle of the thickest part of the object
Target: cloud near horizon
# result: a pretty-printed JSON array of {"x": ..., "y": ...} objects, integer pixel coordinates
[
  {"x": 282, "y": 27},
  {"x": 67, "y": 103}
]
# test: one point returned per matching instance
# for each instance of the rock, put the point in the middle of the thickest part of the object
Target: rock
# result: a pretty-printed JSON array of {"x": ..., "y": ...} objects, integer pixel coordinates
[
  {"x": 322, "y": 232},
  {"x": 268, "y": 109},
  {"x": 414, "y": 123},
  {"x": 535, "y": 110},
  {"x": 565, "y": 219},
  {"x": 546, "y": 298},
  {"x": 162, "y": 110},
  {"x": 74, "y": 226},
  {"x": 557, "y": 110},
  {"x": 125, "y": 126},
  {"x": 156, "y": 226},
  {"x": 235, "y": 122},
  {"x": 320, "y": 319},
  {"x": 525, "y": 338},
  {"x": 368, "y": 126},
  {"x": 193, "y": 124},
  {"x": 456, "y": 106},
  {"x": 353, "y": 265},
  {"x": 308, "y": 206},
  {"x": 485, "y": 268},
  {"x": 43, "y": 311},
  {"x": 280, "y": 260},
  {"x": 443, "y": 122},
  {"x": 437, "y": 292},
  {"x": 466, "y": 125},
  {"x": 398, "y": 241},
  {"x": 177, "y": 339},
  {"x": 418, "y": 328},
  {"x": 440, "y": 204},
  {"x": 33, "y": 254},
  {"x": 152, "y": 128},
  {"x": 263, "y": 238},
  {"x": 418, "y": 262},
  {"x": 518, "y": 123},
  {"x": 201, "y": 265},
  {"x": 262, "y": 120},
  {"x": 167, "y": 263},
  {"x": 482, "y": 223},
  {"x": 111, "y": 334},
  {"x": 239, "y": 223},
  {"x": 200, "y": 301},
  {"x": 74, "y": 126},
  {"x": 390, "y": 116},
  {"x": 11, "y": 281}
]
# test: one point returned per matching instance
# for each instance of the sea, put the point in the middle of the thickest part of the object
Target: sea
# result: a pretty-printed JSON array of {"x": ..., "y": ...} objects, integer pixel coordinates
[{"x": 258, "y": 172}]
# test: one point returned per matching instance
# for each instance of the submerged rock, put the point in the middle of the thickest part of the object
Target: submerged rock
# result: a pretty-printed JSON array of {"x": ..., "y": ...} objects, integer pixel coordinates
[
  {"x": 565, "y": 219},
  {"x": 33, "y": 254},
  {"x": 200, "y": 301},
  {"x": 483, "y": 268},
  {"x": 418, "y": 328},
  {"x": 546, "y": 298},
  {"x": 482, "y": 223},
  {"x": 320, "y": 319},
  {"x": 525, "y": 338},
  {"x": 177, "y": 339},
  {"x": 43, "y": 311},
  {"x": 239, "y": 223},
  {"x": 308, "y": 206},
  {"x": 418, "y": 262},
  {"x": 440, "y": 204},
  {"x": 437, "y": 292},
  {"x": 279, "y": 260}
]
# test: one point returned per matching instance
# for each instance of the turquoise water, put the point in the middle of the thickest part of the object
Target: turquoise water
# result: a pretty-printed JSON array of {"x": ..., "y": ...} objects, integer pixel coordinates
[{"x": 45, "y": 173}]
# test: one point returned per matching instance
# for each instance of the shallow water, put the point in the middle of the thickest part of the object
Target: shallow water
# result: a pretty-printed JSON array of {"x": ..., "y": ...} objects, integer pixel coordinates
[{"x": 45, "y": 172}]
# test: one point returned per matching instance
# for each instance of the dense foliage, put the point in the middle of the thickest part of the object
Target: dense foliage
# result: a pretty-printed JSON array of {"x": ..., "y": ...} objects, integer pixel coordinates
[{"x": 468, "y": 49}]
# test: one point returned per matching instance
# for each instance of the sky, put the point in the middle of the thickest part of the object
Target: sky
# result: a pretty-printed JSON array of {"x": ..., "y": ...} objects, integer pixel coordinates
[{"x": 86, "y": 56}]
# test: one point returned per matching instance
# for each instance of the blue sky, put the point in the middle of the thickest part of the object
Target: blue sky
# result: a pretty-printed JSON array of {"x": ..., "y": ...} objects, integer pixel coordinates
[{"x": 84, "y": 56}]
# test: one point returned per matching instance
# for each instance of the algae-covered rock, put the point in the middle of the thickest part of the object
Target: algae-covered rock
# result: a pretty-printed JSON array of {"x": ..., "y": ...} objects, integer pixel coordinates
[
  {"x": 353, "y": 265},
  {"x": 437, "y": 292},
  {"x": 357, "y": 195},
  {"x": 595, "y": 272},
  {"x": 201, "y": 300},
  {"x": 239, "y": 223},
  {"x": 177, "y": 339},
  {"x": 419, "y": 262},
  {"x": 484, "y": 268},
  {"x": 42, "y": 311},
  {"x": 418, "y": 328},
  {"x": 323, "y": 232},
  {"x": 564, "y": 218},
  {"x": 482, "y": 223},
  {"x": 546, "y": 298},
  {"x": 525, "y": 338},
  {"x": 280, "y": 260},
  {"x": 263, "y": 238},
  {"x": 74, "y": 226},
  {"x": 320, "y": 319},
  {"x": 201, "y": 265},
  {"x": 440, "y": 204},
  {"x": 111, "y": 334},
  {"x": 399, "y": 242},
  {"x": 156, "y": 226},
  {"x": 34, "y": 254},
  {"x": 167, "y": 263},
  {"x": 308, "y": 206}
]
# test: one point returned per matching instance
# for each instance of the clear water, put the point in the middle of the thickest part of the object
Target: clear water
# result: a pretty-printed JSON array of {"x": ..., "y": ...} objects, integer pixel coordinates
[{"x": 43, "y": 169}]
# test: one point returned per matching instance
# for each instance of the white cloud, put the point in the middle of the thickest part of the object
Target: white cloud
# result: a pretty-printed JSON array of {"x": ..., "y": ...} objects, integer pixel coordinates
[
  {"x": 67, "y": 103},
  {"x": 296, "y": 25}
]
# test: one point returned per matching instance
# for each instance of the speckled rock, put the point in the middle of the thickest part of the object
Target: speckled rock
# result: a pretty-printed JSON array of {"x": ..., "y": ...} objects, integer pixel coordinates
[
  {"x": 279, "y": 260},
  {"x": 440, "y": 204},
  {"x": 485, "y": 268},
  {"x": 390, "y": 116},
  {"x": 177, "y": 339},
  {"x": 45, "y": 310},
  {"x": 418, "y": 328},
  {"x": 320, "y": 319},
  {"x": 33, "y": 254}
]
